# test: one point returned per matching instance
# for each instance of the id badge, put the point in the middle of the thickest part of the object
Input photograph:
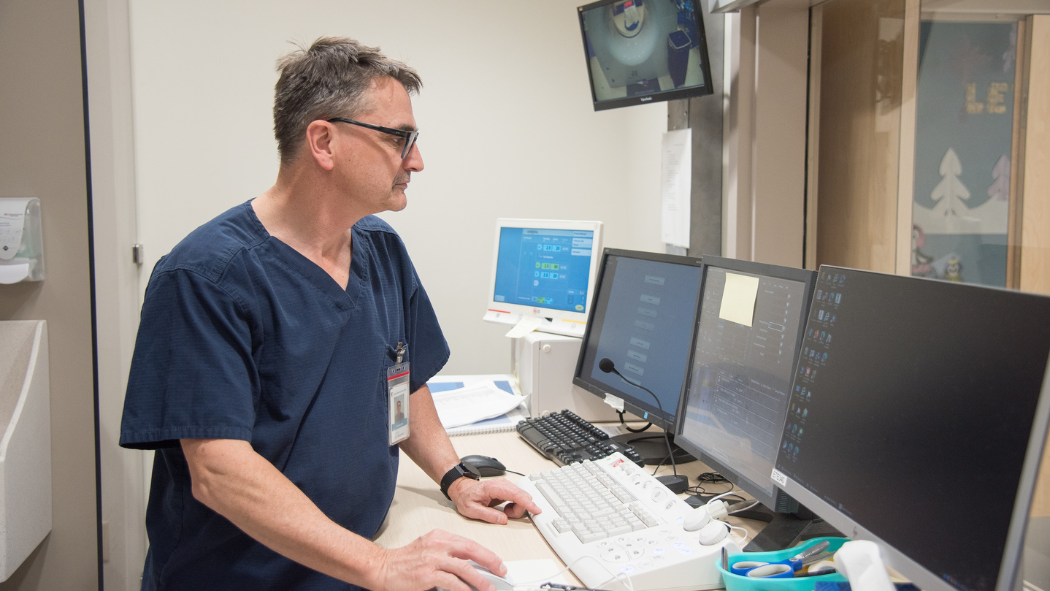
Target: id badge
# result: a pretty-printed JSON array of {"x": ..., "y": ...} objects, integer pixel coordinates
[{"x": 397, "y": 386}]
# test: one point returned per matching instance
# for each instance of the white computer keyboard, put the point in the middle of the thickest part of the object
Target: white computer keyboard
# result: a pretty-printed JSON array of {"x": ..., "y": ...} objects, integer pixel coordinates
[{"x": 625, "y": 521}]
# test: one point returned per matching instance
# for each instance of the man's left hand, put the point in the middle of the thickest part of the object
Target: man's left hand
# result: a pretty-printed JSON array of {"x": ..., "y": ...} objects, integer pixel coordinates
[{"x": 476, "y": 499}]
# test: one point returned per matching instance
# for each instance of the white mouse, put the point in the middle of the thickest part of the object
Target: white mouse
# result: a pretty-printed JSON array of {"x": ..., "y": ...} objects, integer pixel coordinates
[{"x": 499, "y": 583}]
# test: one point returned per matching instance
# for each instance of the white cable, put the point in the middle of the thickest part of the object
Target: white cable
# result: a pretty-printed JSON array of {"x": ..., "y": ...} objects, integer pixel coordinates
[
  {"x": 751, "y": 506},
  {"x": 743, "y": 540},
  {"x": 626, "y": 581},
  {"x": 615, "y": 576},
  {"x": 722, "y": 495}
]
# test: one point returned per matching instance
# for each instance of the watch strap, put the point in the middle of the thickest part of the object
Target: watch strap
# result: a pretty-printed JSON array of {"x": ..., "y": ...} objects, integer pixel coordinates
[{"x": 460, "y": 470}]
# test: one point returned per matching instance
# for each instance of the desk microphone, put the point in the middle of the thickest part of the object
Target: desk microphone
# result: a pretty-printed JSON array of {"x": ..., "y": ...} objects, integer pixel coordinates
[{"x": 675, "y": 483}]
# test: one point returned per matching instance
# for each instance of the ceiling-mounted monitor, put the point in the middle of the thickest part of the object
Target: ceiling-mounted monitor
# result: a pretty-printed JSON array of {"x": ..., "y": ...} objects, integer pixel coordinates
[{"x": 643, "y": 51}]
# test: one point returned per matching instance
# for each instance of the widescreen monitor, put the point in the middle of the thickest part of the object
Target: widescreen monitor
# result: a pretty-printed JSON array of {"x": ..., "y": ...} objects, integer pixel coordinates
[
  {"x": 642, "y": 51},
  {"x": 918, "y": 422},
  {"x": 543, "y": 271},
  {"x": 642, "y": 321},
  {"x": 749, "y": 334}
]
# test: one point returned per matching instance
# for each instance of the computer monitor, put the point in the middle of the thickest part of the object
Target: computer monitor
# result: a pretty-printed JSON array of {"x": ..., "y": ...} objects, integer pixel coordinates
[
  {"x": 749, "y": 334},
  {"x": 642, "y": 321},
  {"x": 543, "y": 271},
  {"x": 642, "y": 51},
  {"x": 921, "y": 424}
]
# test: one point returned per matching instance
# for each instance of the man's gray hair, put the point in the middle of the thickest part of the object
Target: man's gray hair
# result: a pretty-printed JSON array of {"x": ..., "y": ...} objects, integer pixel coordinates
[{"x": 328, "y": 79}]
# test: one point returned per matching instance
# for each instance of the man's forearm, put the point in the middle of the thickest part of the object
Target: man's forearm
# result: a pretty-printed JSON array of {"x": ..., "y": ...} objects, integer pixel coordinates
[
  {"x": 428, "y": 444},
  {"x": 233, "y": 480}
]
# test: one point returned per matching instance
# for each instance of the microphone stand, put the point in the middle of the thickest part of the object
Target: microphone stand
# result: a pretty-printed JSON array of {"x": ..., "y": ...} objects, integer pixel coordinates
[{"x": 676, "y": 483}]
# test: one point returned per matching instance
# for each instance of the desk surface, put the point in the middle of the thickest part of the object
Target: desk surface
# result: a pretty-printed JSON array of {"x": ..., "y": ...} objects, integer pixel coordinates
[{"x": 419, "y": 506}]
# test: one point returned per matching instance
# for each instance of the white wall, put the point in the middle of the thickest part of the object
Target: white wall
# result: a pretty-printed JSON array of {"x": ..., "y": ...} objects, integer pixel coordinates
[{"x": 507, "y": 131}]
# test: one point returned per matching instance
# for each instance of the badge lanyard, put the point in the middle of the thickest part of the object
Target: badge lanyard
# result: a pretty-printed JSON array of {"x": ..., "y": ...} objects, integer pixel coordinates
[{"x": 397, "y": 385}]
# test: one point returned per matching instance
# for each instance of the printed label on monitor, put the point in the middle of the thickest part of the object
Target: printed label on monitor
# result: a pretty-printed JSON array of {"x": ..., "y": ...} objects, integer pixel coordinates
[{"x": 778, "y": 477}]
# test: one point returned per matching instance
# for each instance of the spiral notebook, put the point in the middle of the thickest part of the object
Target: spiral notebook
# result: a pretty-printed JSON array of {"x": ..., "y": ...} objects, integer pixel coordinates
[{"x": 500, "y": 424}]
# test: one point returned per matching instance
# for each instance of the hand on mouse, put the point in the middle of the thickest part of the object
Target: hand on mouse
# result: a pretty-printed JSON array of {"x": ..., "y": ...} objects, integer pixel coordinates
[
  {"x": 476, "y": 499},
  {"x": 436, "y": 559}
]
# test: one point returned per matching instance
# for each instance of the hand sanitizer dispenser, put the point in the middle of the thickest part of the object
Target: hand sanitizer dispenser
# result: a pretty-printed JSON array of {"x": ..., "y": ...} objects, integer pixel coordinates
[{"x": 21, "y": 242}]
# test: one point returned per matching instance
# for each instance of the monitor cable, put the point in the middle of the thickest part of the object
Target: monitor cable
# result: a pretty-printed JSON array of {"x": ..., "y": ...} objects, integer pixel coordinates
[
  {"x": 676, "y": 483},
  {"x": 629, "y": 429}
]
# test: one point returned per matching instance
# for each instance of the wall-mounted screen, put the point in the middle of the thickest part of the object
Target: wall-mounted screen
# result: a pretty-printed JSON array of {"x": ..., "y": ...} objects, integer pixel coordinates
[{"x": 642, "y": 51}]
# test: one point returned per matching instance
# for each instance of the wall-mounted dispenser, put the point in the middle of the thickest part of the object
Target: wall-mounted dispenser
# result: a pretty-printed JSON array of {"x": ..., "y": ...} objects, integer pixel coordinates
[{"x": 21, "y": 241}]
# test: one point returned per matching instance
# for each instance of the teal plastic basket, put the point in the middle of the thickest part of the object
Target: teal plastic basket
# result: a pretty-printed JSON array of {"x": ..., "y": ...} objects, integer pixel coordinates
[{"x": 741, "y": 583}]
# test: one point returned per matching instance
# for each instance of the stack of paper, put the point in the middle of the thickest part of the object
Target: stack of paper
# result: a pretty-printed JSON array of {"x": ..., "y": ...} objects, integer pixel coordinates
[
  {"x": 452, "y": 393},
  {"x": 473, "y": 403}
]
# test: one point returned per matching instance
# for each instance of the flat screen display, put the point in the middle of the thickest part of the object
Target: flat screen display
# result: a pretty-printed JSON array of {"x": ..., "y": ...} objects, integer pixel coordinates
[
  {"x": 641, "y": 51},
  {"x": 643, "y": 322},
  {"x": 748, "y": 339},
  {"x": 912, "y": 408}
]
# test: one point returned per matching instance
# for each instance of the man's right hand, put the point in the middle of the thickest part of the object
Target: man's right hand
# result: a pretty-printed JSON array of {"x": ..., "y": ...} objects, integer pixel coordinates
[{"x": 437, "y": 559}]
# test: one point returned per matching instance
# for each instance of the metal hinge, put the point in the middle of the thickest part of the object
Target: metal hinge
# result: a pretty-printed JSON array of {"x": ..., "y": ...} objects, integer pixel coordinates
[{"x": 138, "y": 254}]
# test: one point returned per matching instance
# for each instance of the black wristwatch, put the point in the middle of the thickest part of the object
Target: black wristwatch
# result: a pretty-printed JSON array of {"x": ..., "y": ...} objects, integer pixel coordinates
[{"x": 458, "y": 471}]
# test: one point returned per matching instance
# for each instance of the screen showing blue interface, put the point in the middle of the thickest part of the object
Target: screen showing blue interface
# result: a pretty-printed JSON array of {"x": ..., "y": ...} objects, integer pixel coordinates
[
  {"x": 643, "y": 322},
  {"x": 544, "y": 268}
]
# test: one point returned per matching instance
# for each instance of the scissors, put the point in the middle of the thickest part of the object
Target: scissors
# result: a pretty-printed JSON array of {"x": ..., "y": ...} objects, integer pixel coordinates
[{"x": 783, "y": 568}]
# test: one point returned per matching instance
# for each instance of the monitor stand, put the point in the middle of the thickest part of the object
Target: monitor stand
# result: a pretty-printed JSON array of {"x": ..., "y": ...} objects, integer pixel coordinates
[
  {"x": 653, "y": 449},
  {"x": 785, "y": 530}
]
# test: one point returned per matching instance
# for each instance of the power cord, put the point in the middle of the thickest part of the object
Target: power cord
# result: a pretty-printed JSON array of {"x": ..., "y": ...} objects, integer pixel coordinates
[{"x": 623, "y": 423}]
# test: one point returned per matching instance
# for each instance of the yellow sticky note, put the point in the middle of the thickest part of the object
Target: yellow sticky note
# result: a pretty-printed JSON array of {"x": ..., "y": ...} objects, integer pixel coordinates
[{"x": 738, "y": 299}]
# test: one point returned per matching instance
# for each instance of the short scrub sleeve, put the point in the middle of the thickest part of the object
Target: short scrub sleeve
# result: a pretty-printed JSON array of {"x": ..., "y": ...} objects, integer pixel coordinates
[
  {"x": 429, "y": 351},
  {"x": 193, "y": 375}
]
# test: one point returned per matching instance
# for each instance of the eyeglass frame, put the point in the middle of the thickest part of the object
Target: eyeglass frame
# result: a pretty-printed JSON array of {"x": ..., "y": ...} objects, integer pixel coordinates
[{"x": 410, "y": 136}]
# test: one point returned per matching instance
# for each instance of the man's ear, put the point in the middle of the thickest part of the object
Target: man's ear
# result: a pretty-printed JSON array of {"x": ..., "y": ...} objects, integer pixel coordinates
[{"x": 320, "y": 137}]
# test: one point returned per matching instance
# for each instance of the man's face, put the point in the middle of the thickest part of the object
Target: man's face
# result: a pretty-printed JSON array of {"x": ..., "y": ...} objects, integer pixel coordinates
[{"x": 372, "y": 171}]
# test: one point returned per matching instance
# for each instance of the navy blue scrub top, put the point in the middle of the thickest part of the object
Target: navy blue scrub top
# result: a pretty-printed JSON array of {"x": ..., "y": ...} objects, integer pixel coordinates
[{"x": 242, "y": 337}]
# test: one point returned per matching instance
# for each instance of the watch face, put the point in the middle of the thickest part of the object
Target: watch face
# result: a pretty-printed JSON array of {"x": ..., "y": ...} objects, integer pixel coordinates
[{"x": 472, "y": 472}]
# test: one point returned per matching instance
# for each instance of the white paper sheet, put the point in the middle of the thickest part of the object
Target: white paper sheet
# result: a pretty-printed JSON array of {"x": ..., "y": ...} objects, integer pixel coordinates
[
  {"x": 524, "y": 327},
  {"x": 676, "y": 176},
  {"x": 473, "y": 403}
]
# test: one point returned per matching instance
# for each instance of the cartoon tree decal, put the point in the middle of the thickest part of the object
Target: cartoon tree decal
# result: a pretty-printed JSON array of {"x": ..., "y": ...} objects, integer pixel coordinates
[
  {"x": 950, "y": 195},
  {"x": 1000, "y": 189}
]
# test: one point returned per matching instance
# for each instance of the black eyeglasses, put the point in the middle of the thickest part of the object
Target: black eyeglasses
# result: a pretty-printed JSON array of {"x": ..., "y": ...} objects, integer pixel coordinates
[{"x": 409, "y": 136}]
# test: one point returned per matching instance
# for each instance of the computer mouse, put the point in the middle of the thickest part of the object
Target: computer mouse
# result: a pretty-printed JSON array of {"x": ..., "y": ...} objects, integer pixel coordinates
[
  {"x": 497, "y": 582},
  {"x": 486, "y": 466}
]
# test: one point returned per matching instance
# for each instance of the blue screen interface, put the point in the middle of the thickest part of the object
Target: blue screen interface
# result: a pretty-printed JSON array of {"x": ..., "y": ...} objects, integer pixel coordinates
[
  {"x": 646, "y": 329},
  {"x": 544, "y": 268}
]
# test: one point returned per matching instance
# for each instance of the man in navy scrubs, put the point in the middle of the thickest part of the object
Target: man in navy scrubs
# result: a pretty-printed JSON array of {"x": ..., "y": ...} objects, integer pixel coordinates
[{"x": 267, "y": 338}]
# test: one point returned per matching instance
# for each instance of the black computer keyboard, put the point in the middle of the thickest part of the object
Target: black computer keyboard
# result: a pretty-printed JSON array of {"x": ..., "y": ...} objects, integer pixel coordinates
[{"x": 566, "y": 438}]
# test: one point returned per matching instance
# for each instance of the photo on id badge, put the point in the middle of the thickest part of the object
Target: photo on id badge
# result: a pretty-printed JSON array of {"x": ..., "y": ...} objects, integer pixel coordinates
[{"x": 400, "y": 414}]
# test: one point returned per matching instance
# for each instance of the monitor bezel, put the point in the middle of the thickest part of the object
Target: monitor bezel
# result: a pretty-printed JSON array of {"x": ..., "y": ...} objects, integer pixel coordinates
[
  {"x": 652, "y": 413},
  {"x": 806, "y": 277},
  {"x": 541, "y": 311},
  {"x": 659, "y": 96},
  {"x": 1010, "y": 565}
]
